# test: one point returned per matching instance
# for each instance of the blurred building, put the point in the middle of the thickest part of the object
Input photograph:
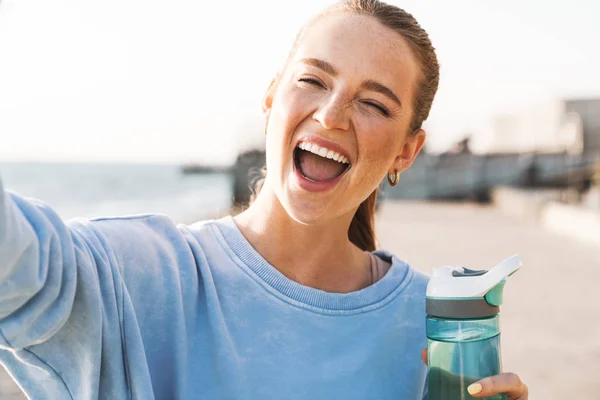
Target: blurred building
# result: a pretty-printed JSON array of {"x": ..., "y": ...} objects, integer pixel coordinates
[
  {"x": 545, "y": 127},
  {"x": 588, "y": 112},
  {"x": 552, "y": 126},
  {"x": 247, "y": 170},
  {"x": 553, "y": 144}
]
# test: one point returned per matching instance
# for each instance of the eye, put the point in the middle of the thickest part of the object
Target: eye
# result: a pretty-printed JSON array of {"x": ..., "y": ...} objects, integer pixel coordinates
[
  {"x": 378, "y": 107},
  {"x": 312, "y": 82}
]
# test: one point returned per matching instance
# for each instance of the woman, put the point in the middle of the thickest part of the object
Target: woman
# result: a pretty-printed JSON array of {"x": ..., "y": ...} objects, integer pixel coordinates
[{"x": 284, "y": 301}]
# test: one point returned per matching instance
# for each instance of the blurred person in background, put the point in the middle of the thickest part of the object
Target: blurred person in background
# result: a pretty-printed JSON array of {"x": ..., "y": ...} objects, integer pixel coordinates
[{"x": 289, "y": 299}]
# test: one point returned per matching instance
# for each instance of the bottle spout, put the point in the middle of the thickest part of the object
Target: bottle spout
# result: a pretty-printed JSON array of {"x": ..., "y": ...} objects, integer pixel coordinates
[
  {"x": 502, "y": 271},
  {"x": 505, "y": 269},
  {"x": 495, "y": 296},
  {"x": 460, "y": 282}
]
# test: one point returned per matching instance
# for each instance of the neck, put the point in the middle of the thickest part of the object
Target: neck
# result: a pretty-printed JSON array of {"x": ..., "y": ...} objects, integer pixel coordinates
[{"x": 318, "y": 255}]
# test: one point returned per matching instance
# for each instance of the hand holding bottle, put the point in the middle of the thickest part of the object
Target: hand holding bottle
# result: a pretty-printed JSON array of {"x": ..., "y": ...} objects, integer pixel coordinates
[{"x": 505, "y": 383}]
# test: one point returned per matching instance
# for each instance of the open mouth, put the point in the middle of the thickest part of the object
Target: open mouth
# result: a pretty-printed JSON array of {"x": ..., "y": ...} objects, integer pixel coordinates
[{"x": 319, "y": 164}]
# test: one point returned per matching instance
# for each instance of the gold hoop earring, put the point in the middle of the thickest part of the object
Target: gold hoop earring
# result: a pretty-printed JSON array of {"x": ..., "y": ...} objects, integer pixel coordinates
[{"x": 394, "y": 178}]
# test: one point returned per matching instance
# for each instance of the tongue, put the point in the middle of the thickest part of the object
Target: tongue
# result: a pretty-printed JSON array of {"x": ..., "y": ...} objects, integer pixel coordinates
[{"x": 318, "y": 168}]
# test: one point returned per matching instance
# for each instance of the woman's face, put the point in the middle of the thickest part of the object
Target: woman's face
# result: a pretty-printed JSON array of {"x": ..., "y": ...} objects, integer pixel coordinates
[{"x": 346, "y": 94}]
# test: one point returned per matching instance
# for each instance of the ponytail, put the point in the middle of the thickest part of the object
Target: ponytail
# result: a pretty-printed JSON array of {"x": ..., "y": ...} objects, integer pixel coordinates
[{"x": 362, "y": 227}]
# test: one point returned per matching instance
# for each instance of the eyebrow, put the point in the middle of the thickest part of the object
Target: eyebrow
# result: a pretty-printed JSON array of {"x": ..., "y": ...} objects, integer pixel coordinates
[
  {"x": 369, "y": 84},
  {"x": 375, "y": 86},
  {"x": 323, "y": 65}
]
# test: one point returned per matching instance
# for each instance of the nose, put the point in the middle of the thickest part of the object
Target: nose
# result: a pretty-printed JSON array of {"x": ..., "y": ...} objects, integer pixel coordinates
[{"x": 333, "y": 114}]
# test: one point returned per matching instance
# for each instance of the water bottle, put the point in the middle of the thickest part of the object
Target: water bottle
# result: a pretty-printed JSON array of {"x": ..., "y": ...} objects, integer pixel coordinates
[{"x": 463, "y": 330}]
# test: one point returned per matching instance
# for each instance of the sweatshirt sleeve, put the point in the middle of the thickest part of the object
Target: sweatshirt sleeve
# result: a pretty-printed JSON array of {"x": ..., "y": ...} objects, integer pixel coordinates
[
  {"x": 63, "y": 308},
  {"x": 38, "y": 271}
]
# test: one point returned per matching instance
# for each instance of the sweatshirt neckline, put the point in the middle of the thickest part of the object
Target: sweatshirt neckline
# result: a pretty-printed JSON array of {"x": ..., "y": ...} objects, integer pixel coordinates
[{"x": 373, "y": 296}]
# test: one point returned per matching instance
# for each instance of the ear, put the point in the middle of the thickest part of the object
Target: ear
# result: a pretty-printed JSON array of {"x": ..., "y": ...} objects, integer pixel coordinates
[
  {"x": 268, "y": 98},
  {"x": 409, "y": 150}
]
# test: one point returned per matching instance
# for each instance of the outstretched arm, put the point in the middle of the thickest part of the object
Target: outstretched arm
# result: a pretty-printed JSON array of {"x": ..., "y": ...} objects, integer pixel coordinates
[
  {"x": 37, "y": 271},
  {"x": 63, "y": 307}
]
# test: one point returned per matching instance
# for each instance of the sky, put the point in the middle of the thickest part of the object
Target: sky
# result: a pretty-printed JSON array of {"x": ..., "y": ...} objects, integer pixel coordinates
[{"x": 182, "y": 81}]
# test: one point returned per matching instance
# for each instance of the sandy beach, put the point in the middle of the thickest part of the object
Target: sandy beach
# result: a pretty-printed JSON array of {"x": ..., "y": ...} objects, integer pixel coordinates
[{"x": 551, "y": 315}]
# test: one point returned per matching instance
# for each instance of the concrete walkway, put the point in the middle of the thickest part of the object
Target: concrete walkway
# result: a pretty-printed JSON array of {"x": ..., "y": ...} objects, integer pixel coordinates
[
  {"x": 551, "y": 315},
  {"x": 8, "y": 389}
]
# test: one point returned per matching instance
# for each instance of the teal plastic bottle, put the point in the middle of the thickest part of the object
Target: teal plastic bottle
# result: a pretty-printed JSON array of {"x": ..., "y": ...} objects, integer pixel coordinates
[{"x": 463, "y": 329}]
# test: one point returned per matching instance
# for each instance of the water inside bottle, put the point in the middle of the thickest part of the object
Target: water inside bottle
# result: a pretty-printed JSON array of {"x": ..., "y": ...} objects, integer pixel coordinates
[{"x": 454, "y": 365}]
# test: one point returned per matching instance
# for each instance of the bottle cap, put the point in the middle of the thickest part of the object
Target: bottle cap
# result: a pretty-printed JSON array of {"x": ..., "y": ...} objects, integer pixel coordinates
[{"x": 458, "y": 292}]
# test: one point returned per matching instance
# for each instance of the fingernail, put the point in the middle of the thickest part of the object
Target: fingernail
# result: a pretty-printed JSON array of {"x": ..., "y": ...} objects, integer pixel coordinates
[{"x": 474, "y": 388}]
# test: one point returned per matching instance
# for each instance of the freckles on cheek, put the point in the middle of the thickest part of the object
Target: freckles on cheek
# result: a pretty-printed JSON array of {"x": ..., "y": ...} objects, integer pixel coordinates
[
  {"x": 379, "y": 160},
  {"x": 286, "y": 110},
  {"x": 295, "y": 100},
  {"x": 381, "y": 150}
]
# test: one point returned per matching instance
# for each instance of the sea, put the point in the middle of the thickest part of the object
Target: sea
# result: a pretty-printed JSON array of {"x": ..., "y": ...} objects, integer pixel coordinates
[{"x": 94, "y": 190}]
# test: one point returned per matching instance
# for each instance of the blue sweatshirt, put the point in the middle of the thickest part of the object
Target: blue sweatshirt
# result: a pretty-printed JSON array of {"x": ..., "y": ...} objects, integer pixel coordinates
[{"x": 139, "y": 308}]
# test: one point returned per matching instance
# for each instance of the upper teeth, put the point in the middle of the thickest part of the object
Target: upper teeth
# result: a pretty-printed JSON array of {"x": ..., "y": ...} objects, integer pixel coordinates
[{"x": 323, "y": 152}]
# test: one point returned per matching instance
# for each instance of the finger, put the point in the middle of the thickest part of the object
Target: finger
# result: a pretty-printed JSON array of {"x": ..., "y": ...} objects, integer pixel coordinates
[
  {"x": 424, "y": 356},
  {"x": 508, "y": 383}
]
